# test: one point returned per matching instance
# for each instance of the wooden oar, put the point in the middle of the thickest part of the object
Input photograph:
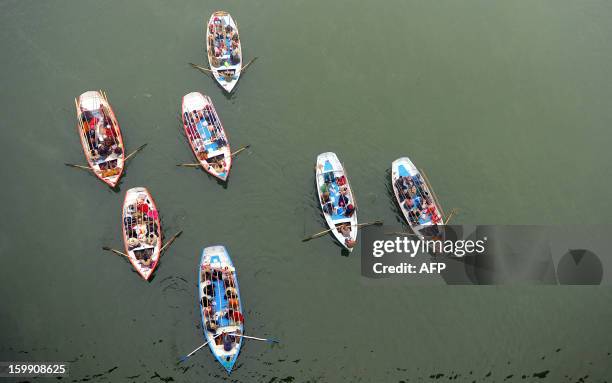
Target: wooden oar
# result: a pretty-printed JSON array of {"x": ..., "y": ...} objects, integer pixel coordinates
[
  {"x": 170, "y": 241},
  {"x": 78, "y": 166},
  {"x": 184, "y": 358},
  {"x": 450, "y": 216},
  {"x": 201, "y": 68},
  {"x": 271, "y": 340},
  {"x": 322, "y": 233},
  {"x": 114, "y": 251},
  {"x": 247, "y": 65},
  {"x": 135, "y": 151},
  {"x": 241, "y": 149},
  {"x": 233, "y": 154}
]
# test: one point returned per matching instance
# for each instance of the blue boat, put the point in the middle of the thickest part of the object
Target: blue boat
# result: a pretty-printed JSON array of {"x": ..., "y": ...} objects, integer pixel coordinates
[{"x": 220, "y": 305}]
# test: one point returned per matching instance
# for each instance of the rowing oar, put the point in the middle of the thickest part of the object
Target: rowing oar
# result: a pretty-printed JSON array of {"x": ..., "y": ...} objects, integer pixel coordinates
[
  {"x": 241, "y": 149},
  {"x": 134, "y": 152},
  {"x": 271, "y": 340},
  {"x": 114, "y": 251},
  {"x": 170, "y": 241},
  {"x": 184, "y": 358},
  {"x": 200, "y": 68},
  {"x": 322, "y": 233},
  {"x": 247, "y": 65},
  {"x": 450, "y": 216},
  {"x": 233, "y": 154},
  {"x": 78, "y": 166}
]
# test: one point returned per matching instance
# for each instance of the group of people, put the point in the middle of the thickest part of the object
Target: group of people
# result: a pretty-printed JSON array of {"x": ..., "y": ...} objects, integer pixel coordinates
[
  {"x": 344, "y": 203},
  {"x": 212, "y": 276},
  {"x": 141, "y": 229},
  {"x": 207, "y": 118},
  {"x": 101, "y": 135},
  {"x": 223, "y": 41},
  {"x": 415, "y": 198}
]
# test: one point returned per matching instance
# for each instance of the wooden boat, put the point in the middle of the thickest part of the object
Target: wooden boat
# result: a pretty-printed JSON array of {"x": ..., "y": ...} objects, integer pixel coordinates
[
  {"x": 415, "y": 199},
  {"x": 223, "y": 49},
  {"x": 220, "y": 305},
  {"x": 100, "y": 136},
  {"x": 206, "y": 135},
  {"x": 142, "y": 234},
  {"x": 330, "y": 177}
]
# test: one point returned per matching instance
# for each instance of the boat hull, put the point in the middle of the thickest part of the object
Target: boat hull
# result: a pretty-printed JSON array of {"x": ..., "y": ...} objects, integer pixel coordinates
[
  {"x": 329, "y": 166},
  {"x": 402, "y": 168},
  {"x": 222, "y": 63},
  {"x": 142, "y": 232},
  {"x": 107, "y": 168},
  {"x": 222, "y": 312},
  {"x": 206, "y": 135}
]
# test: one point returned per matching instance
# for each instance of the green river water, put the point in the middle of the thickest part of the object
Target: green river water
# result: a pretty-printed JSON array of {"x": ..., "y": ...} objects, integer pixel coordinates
[{"x": 505, "y": 104}]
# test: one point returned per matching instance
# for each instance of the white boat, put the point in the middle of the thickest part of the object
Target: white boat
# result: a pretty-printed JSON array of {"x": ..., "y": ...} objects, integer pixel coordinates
[
  {"x": 100, "y": 136},
  {"x": 330, "y": 177},
  {"x": 207, "y": 138},
  {"x": 220, "y": 305},
  {"x": 142, "y": 233},
  {"x": 415, "y": 199},
  {"x": 223, "y": 49}
]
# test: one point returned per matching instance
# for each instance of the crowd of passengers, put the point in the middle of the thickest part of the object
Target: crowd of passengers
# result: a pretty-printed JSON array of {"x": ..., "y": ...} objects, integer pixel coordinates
[
  {"x": 101, "y": 134},
  {"x": 416, "y": 199},
  {"x": 348, "y": 209},
  {"x": 210, "y": 277},
  {"x": 223, "y": 41},
  {"x": 343, "y": 200},
  {"x": 141, "y": 229},
  {"x": 211, "y": 122}
]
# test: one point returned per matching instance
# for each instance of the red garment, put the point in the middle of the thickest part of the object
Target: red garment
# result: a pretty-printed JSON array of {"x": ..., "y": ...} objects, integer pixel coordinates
[
  {"x": 237, "y": 316},
  {"x": 143, "y": 207},
  {"x": 341, "y": 180}
]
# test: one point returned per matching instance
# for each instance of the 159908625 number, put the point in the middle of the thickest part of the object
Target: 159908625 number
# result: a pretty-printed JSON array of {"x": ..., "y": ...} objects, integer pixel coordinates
[{"x": 32, "y": 369}]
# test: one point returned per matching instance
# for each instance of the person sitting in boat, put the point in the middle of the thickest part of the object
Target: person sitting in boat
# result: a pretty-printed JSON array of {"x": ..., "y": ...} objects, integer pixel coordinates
[
  {"x": 342, "y": 200},
  {"x": 341, "y": 181},
  {"x": 235, "y": 316},
  {"x": 345, "y": 230},
  {"x": 219, "y": 166},
  {"x": 233, "y": 303},
  {"x": 212, "y": 325},
  {"x": 328, "y": 177},
  {"x": 231, "y": 292},
  {"x": 350, "y": 209},
  {"x": 408, "y": 203},
  {"x": 350, "y": 243},
  {"x": 328, "y": 206},
  {"x": 203, "y": 155},
  {"x": 228, "y": 341},
  {"x": 220, "y": 141}
]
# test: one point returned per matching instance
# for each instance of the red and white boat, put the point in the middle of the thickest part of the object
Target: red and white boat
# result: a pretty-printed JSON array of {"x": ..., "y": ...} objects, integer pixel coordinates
[
  {"x": 100, "y": 136},
  {"x": 206, "y": 135},
  {"x": 142, "y": 234}
]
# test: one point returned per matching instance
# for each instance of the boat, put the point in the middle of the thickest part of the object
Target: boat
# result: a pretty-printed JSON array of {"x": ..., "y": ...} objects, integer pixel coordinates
[
  {"x": 142, "y": 234},
  {"x": 414, "y": 196},
  {"x": 220, "y": 305},
  {"x": 100, "y": 136},
  {"x": 206, "y": 135},
  {"x": 223, "y": 49},
  {"x": 339, "y": 209}
]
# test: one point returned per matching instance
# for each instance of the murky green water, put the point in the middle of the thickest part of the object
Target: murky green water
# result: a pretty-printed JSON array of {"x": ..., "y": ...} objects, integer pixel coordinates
[{"x": 506, "y": 105}]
